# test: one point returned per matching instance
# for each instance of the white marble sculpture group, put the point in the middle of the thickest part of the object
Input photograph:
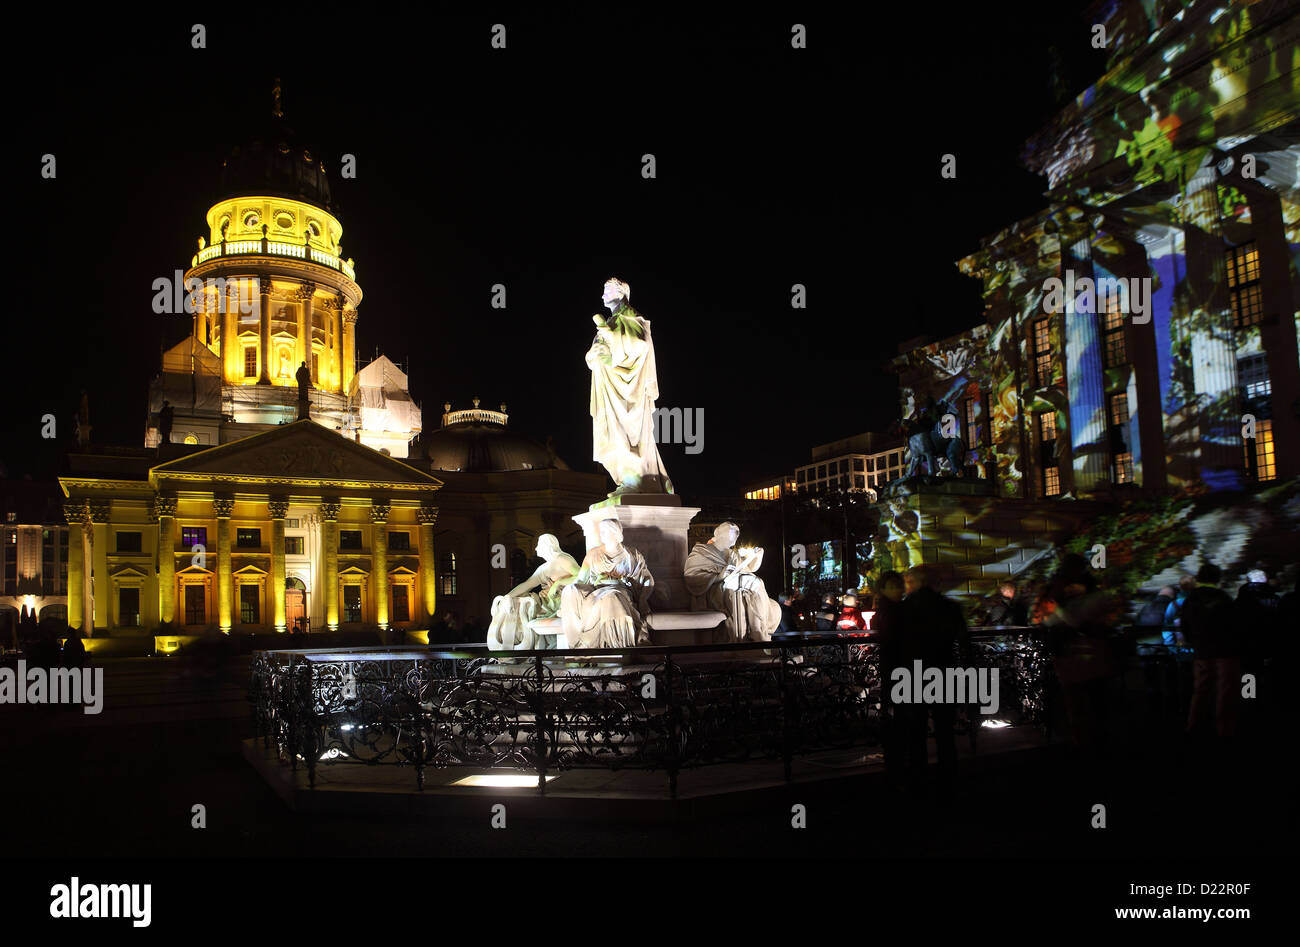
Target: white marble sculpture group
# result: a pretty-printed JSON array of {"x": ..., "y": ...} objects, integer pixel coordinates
[{"x": 605, "y": 602}]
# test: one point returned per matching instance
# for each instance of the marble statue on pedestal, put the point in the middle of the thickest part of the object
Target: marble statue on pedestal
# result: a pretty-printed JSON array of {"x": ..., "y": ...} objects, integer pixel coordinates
[
  {"x": 513, "y": 613},
  {"x": 624, "y": 386},
  {"x": 605, "y": 607},
  {"x": 720, "y": 578}
]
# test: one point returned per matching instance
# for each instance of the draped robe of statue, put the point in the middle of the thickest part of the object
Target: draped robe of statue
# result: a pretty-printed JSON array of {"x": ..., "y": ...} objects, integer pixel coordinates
[
  {"x": 606, "y": 605},
  {"x": 624, "y": 386},
  {"x": 751, "y": 615},
  {"x": 512, "y": 612}
]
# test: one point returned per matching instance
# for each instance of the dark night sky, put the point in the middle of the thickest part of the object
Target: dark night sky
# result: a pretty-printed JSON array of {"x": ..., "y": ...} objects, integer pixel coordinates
[{"x": 478, "y": 166}]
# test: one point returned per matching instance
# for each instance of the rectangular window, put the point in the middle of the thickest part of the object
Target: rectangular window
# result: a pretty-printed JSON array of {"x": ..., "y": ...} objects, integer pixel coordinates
[
  {"x": 1119, "y": 408},
  {"x": 799, "y": 476},
  {"x": 1113, "y": 348},
  {"x": 192, "y": 536},
  {"x": 1252, "y": 376},
  {"x": 352, "y": 603},
  {"x": 1244, "y": 286},
  {"x": 128, "y": 542},
  {"x": 349, "y": 539},
  {"x": 399, "y": 541},
  {"x": 293, "y": 545},
  {"x": 447, "y": 573},
  {"x": 1043, "y": 352},
  {"x": 292, "y": 524},
  {"x": 195, "y": 608},
  {"x": 128, "y": 607},
  {"x": 250, "y": 362},
  {"x": 859, "y": 481},
  {"x": 1047, "y": 426},
  {"x": 401, "y": 603},
  {"x": 1051, "y": 481},
  {"x": 972, "y": 429},
  {"x": 1260, "y": 459},
  {"x": 248, "y": 538},
  {"x": 1124, "y": 468},
  {"x": 858, "y": 464},
  {"x": 248, "y": 604}
]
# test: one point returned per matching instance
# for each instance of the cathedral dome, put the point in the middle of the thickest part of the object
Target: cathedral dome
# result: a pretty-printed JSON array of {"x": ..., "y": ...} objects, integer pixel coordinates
[
  {"x": 477, "y": 440},
  {"x": 275, "y": 163}
]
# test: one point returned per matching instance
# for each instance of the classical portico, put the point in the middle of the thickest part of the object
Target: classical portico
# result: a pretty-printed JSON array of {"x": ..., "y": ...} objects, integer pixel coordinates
[{"x": 231, "y": 525}]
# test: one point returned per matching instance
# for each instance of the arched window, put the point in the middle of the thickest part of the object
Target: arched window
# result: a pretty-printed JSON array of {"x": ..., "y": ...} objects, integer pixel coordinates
[
  {"x": 191, "y": 439},
  {"x": 447, "y": 573}
]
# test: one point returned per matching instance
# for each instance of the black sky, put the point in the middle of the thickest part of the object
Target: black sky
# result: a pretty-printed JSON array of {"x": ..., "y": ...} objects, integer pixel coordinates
[{"x": 479, "y": 166}]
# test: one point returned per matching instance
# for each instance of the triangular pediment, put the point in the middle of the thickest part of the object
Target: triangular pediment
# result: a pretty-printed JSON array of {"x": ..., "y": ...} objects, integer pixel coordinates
[{"x": 303, "y": 453}]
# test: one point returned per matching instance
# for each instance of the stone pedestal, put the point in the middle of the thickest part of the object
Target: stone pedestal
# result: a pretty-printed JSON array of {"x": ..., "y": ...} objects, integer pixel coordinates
[{"x": 655, "y": 525}]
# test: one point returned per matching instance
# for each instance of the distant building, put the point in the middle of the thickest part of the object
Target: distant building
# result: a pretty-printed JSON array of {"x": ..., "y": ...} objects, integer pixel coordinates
[
  {"x": 33, "y": 555},
  {"x": 858, "y": 464},
  {"x": 1141, "y": 331}
]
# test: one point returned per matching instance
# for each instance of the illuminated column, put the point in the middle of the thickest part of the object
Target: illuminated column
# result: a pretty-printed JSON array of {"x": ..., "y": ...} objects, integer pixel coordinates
[
  {"x": 278, "y": 509},
  {"x": 336, "y": 345},
  {"x": 223, "y": 507},
  {"x": 264, "y": 320},
  {"x": 232, "y": 361},
  {"x": 303, "y": 351},
  {"x": 75, "y": 513},
  {"x": 349, "y": 348},
  {"x": 165, "y": 510},
  {"x": 99, "y": 513},
  {"x": 379, "y": 560},
  {"x": 329, "y": 511},
  {"x": 428, "y": 517}
]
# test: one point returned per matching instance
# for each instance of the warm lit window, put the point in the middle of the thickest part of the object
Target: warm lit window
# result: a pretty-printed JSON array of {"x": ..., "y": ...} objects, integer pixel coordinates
[
  {"x": 1119, "y": 408},
  {"x": 1124, "y": 468},
  {"x": 1244, "y": 286},
  {"x": 1051, "y": 481},
  {"x": 293, "y": 545},
  {"x": 250, "y": 362},
  {"x": 248, "y": 538},
  {"x": 1043, "y": 352},
  {"x": 192, "y": 536},
  {"x": 191, "y": 439},
  {"x": 1047, "y": 426},
  {"x": 1260, "y": 460},
  {"x": 1112, "y": 323},
  {"x": 972, "y": 406}
]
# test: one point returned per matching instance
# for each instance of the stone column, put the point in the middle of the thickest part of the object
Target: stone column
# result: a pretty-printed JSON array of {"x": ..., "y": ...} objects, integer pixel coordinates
[
  {"x": 264, "y": 323},
  {"x": 278, "y": 510},
  {"x": 75, "y": 513},
  {"x": 232, "y": 356},
  {"x": 379, "y": 560},
  {"x": 99, "y": 514},
  {"x": 165, "y": 510},
  {"x": 329, "y": 511},
  {"x": 349, "y": 348},
  {"x": 336, "y": 345},
  {"x": 303, "y": 351},
  {"x": 428, "y": 517},
  {"x": 223, "y": 507}
]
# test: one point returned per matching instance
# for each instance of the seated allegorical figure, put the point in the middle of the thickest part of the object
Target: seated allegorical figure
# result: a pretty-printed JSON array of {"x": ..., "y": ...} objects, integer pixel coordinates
[
  {"x": 606, "y": 605},
  {"x": 719, "y": 578},
  {"x": 535, "y": 599}
]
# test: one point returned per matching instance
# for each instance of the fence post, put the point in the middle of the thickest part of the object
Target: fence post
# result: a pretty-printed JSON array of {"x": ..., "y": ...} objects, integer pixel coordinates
[
  {"x": 787, "y": 753},
  {"x": 539, "y": 726},
  {"x": 673, "y": 762}
]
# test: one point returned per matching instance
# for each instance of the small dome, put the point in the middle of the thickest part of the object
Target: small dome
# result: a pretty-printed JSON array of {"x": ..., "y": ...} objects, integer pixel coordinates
[
  {"x": 275, "y": 163},
  {"x": 478, "y": 441}
]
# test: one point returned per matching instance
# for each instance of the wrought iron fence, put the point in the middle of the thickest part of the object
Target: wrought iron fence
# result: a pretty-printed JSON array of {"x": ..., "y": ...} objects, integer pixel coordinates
[{"x": 650, "y": 708}]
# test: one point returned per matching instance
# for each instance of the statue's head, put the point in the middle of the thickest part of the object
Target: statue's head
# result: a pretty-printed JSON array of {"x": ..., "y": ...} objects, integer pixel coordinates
[
  {"x": 726, "y": 534},
  {"x": 548, "y": 547},
  {"x": 610, "y": 531},
  {"x": 616, "y": 291}
]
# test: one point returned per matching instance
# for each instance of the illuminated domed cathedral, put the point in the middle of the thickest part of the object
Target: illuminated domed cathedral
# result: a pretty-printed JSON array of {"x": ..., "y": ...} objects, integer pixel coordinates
[{"x": 277, "y": 486}]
